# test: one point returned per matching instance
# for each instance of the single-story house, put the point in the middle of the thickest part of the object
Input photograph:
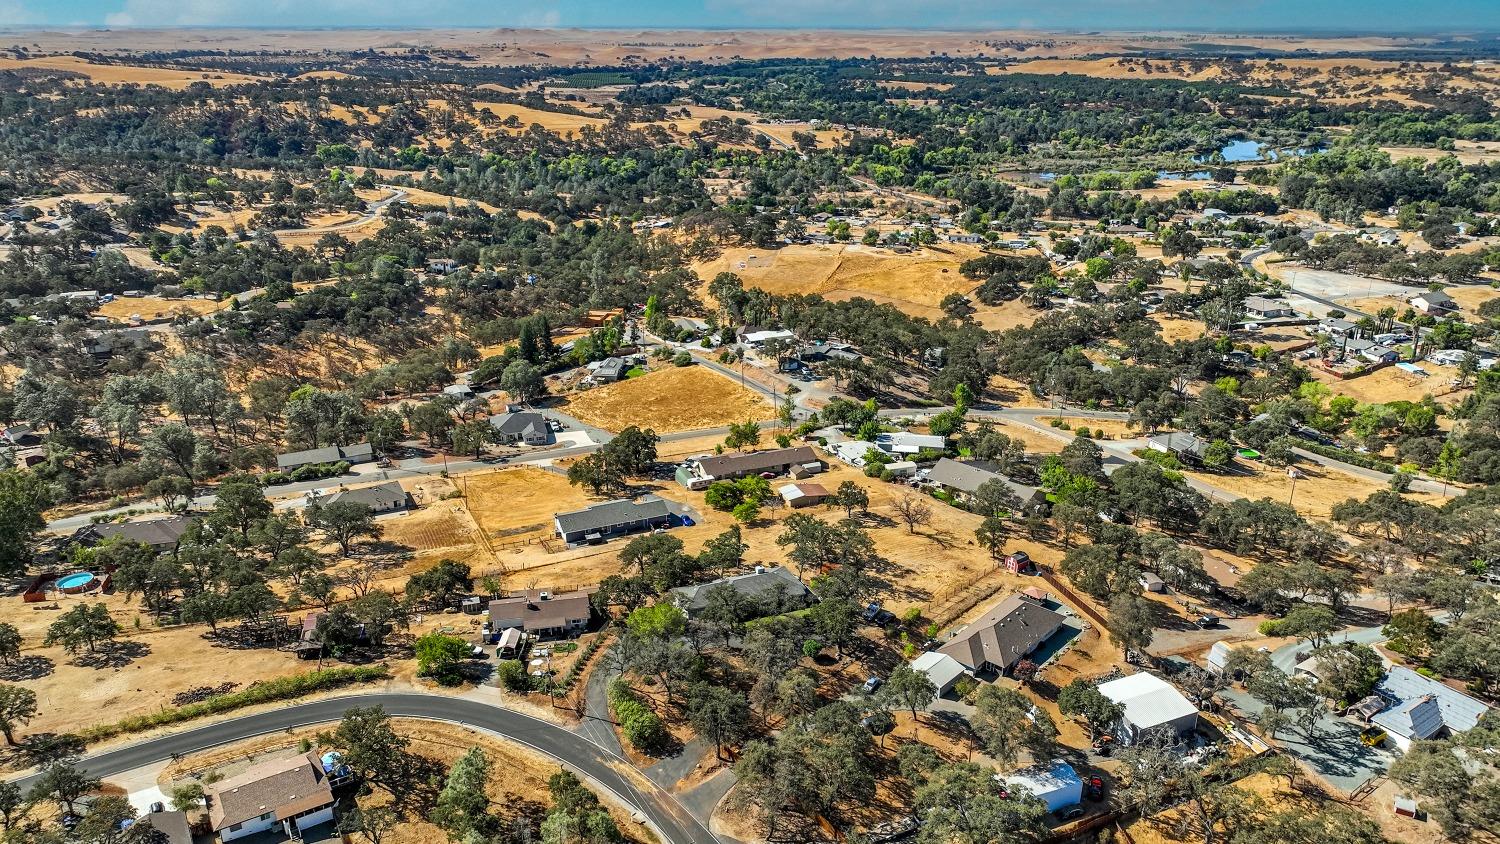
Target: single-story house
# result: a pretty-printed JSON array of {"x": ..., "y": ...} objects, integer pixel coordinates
[
  {"x": 161, "y": 534},
  {"x": 1185, "y": 446},
  {"x": 600, "y": 522},
  {"x": 526, "y": 427},
  {"x": 1260, "y": 307},
  {"x": 21, "y": 435},
  {"x": 1003, "y": 636},
  {"x": 776, "y": 588},
  {"x": 759, "y": 337},
  {"x": 905, "y": 442},
  {"x": 357, "y": 453},
  {"x": 964, "y": 238},
  {"x": 691, "y": 325},
  {"x": 943, "y": 670},
  {"x": 962, "y": 478},
  {"x": 442, "y": 266},
  {"x": 1376, "y": 353},
  {"x": 827, "y": 350},
  {"x": 287, "y": 794},
  {"x": 608, "y": 370},
  {"x": 1433, "y": 303},
  {"x": 1150, "y": 703},
  {"x": 542, "y": 614},
  {"x": 173, "y": 826},
  {"x": 852, "y": 451},
  {"x": 803, "y": 495},
  {"x": 1337, "y": 328},
  {"x": 702, "y": 471},
  {"x": 384, "y": 498},
  {"x": 462, "y": 392},
  {"x": 1420, "y": 708},
  {"x": 1054, "y": 783},
  {"x": 103, "y": 344}
]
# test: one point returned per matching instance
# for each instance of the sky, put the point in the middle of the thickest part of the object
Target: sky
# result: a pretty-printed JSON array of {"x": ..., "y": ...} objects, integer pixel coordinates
[{"x": 1217, "y": 15}]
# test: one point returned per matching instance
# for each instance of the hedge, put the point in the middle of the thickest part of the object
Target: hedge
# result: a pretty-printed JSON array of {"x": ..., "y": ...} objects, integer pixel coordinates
[
  {"x": 641, "y": 727},
  {"x": 266, "y": 691},
  {"x": 1348, "y": 456}
]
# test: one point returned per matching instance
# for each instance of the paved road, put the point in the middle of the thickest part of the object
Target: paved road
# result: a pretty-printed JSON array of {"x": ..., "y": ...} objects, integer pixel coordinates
[
  {"x": 673, "y": 823},
  {"x": 372, "y": 211}
]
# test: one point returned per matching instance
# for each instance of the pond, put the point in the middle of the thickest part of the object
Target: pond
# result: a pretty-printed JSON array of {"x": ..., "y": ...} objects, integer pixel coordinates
[{"x": 1241, "y": 150}]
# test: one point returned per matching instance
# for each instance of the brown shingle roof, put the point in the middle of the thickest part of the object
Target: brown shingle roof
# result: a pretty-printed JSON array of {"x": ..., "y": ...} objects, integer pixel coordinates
[
  {"x": 284, "y": 787},
  {"x": 1004, "y": 635},
  {"x": 529, "y": 612},
  {"x": 756, "y": 461}
]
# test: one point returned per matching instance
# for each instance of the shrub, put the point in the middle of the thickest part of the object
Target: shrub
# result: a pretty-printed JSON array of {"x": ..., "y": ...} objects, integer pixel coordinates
[
  {"x": 513, "y": 676},
  {"x": 965, "y": 686},
  {"x": 640, "y": 725},
  {"x": 265, "y": 691}
]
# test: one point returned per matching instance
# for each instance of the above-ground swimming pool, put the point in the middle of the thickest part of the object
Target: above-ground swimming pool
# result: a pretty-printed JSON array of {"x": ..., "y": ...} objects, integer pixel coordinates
[{"x": 75, "y": 582}]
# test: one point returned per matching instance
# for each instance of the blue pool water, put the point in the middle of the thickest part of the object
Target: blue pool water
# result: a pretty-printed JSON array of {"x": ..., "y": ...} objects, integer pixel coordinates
[{"x": 75, "y": 580}]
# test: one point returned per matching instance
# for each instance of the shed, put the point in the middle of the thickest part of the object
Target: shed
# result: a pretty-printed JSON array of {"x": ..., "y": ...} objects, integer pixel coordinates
[
  {"x": 803, "y": 495},
  {"x": 1152, "y": 582},
  {"x": 943, "y": 670},
  {"x": 1054, "y": 783}
]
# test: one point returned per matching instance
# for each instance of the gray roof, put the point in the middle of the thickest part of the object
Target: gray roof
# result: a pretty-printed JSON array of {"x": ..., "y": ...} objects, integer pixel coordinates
[
  {"x": 756, "y": 461},
  {"x": 1261, "y": 303},
  {"x": 1436, "y": 297},
  {"x": 1004, "y": 635},
  {"x": 523, "y": 423},
  {"x": 154, "y": 532},
  {"x": 610, "y": 367},
  {"x": 359, "y": 452},
  {"x": 1180, "y": 442},
  {"x": 969, "y": 476},
  {"x": 379, "y": 497},
  {"x": 174, "y": 825},
  {"x": 754, "y": 585},
  {"x": 1413, "y": 716},
  {"x": 612, "y": 513}
]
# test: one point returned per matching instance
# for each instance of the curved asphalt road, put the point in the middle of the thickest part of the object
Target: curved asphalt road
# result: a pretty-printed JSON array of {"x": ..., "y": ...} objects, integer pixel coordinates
[{"x": 665, "y": 814}]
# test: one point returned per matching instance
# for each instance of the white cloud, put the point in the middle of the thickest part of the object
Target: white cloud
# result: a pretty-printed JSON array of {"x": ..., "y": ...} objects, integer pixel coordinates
[{"x": 15, "y": 13}]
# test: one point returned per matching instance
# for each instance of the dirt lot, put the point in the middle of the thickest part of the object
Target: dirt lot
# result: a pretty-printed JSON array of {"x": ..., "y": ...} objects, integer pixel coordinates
[
  {"x": 668, "y": 400},
  {"x": 518, "y": 789},
  {"x": 914, "y": 282},
  {"x": 1173, "y": 329},
  {"x": 1392, "y": 384},
  {"x": 1111, "y": 429},
  {"x": 153, "y": 308},
  {"x": 1316, "y": 493}
]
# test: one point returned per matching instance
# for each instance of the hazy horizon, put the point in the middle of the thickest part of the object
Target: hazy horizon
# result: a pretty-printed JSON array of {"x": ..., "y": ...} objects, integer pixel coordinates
[{"x": 1329, "y": 17}]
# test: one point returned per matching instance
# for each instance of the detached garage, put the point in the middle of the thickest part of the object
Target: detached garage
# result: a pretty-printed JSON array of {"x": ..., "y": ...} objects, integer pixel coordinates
[
  {"x": 1055, "y": 783},
  {"x": 943, "y": 670},
  {"x": 1150, "y": 703}
]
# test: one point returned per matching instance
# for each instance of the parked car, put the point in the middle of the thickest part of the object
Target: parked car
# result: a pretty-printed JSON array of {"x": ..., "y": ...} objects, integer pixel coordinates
[
  {"x": 872, "y": 684},
  {"x": 878, "y": 615},
  {"x": 1208, "y": 621},
  {"x": 1072, "y": 812},
  {"x": 1094, "y": 788}
]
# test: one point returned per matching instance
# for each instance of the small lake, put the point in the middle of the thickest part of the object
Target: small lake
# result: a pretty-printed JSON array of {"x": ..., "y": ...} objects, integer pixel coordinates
[{"x": 1240, "y": 151}]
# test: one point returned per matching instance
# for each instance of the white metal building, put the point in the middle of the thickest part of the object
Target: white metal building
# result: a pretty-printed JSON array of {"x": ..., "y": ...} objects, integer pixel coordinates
[{"x": 1150, "y": 702}]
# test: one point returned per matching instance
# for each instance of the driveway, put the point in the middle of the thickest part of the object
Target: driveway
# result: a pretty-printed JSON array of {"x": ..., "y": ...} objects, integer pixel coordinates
[{"x": 1334, "y": 751}]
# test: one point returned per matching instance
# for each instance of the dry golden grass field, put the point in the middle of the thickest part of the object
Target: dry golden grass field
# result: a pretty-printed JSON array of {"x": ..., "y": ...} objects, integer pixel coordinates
[
  {"x": 111, "y": 74},
  {"x": 915, "y": 282},
  {"x": 153, "y": 308},
  {"x": 669, "y": 400}
]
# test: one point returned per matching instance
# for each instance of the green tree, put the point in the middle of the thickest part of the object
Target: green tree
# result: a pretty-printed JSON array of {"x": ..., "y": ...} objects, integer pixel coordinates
[
  {"x": 10, "y": 643},
  {"x": 1006, "y": 723},
  {"x": 344, "y": 522},
  {"x": 440, "y": 656},
  {"x": 84, "y": 626},
  {"x": 909, "y": 688},
  {"x": 1131, "y": 620},
  {"x": 372, "y": 748},
  {"x": 959, "y": 804},
  {"x": 17, "y": 707},
  {"x": 23, "y": 497},
  {"x": 719, "y": 714},
  {"x": 462, "y": 808},
  {"x": 1082, "y": 699}
]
